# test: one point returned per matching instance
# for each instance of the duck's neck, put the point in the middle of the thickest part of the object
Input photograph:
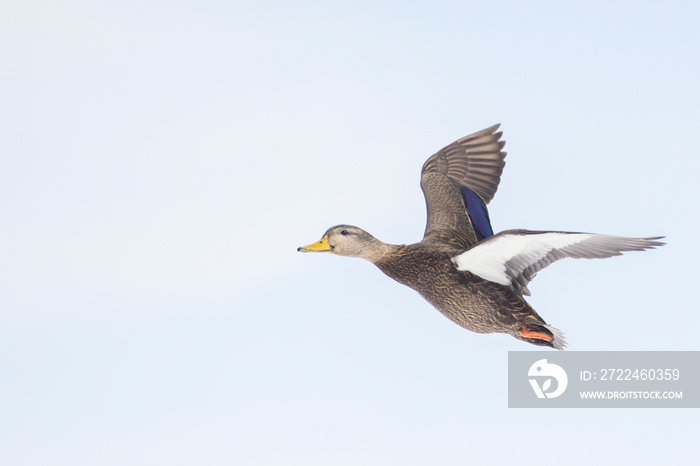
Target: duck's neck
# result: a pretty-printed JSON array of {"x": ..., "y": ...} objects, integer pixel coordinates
[{"x": 379, "y": 251}]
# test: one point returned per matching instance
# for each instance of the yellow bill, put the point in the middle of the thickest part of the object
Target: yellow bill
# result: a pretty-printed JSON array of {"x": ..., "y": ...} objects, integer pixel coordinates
[{"x": 319, "y": 246}]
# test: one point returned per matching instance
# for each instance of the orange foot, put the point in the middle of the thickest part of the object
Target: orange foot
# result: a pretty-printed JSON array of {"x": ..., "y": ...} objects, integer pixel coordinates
[{"x": 527, "y": 333}]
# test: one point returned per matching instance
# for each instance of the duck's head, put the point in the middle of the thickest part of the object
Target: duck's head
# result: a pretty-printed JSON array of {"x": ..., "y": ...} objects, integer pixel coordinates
[{"x": 346, "y": 240}]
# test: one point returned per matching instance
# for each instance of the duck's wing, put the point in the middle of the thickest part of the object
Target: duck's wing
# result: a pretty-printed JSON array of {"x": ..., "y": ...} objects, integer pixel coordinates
[
  {"x": 458, "y": 181},
  {"x": 514, "y": 257}
]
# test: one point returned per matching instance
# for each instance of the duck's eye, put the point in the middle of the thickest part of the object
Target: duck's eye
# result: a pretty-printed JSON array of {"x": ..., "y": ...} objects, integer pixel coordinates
[{"x": 344, "y": 232}]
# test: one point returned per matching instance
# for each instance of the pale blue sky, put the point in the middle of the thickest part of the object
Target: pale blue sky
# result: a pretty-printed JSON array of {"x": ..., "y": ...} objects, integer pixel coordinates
[{"x": 163, "y": 160}]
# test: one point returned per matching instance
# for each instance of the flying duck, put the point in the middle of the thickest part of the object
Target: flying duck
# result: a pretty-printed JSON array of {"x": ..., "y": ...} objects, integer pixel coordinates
[{"x": 473, "y": 277}]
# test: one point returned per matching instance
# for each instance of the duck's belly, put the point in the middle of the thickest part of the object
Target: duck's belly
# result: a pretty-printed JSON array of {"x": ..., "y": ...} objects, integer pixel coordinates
[
  {"x": 466, "y": 299},
  {"x": 474, "y": 303}
]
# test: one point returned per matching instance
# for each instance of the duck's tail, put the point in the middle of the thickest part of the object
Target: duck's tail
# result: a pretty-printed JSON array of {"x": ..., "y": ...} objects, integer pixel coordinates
[{"x": 559, "y": 340}]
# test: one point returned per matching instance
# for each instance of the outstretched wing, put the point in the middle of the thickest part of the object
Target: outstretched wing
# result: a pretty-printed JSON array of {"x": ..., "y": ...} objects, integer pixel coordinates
[
  {"x": 458, "y": 181},
  {"x": 514, "y": 257}
]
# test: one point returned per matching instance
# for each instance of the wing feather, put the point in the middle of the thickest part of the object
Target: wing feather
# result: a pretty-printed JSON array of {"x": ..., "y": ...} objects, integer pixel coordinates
[
  {"x": 478, "y": 154},
  {"x": 474, "y": 162},
  {"x": 514, "y": 257}
]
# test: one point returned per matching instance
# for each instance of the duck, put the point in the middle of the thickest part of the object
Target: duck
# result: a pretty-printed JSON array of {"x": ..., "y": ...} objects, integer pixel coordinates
[{"x": 474, "y": 277}]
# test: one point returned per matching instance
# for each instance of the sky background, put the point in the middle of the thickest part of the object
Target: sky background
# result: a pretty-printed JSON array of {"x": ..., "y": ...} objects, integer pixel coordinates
[{"x": 162, "y": 161}]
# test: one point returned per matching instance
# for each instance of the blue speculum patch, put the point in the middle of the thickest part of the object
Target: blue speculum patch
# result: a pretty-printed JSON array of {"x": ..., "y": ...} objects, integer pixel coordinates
[{"x": 478, "y": 214}]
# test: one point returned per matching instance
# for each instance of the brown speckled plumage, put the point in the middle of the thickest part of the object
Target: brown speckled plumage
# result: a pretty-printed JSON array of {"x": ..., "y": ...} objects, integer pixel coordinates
[
  {"x": 476, "y": 279},
  {"x": 464, "y": 298}
]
